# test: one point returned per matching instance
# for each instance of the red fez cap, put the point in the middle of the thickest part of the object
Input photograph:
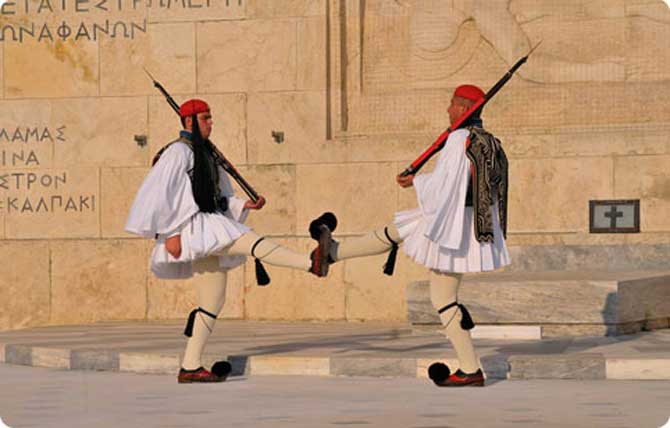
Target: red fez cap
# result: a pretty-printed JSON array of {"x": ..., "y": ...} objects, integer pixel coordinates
[
  {"x": 191, "y": 107},
  {"x": 469, "y": 92}
]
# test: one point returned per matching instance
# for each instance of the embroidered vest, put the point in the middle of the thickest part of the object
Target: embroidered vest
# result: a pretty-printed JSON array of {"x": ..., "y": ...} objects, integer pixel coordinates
[{"x": 489, "y": 180}]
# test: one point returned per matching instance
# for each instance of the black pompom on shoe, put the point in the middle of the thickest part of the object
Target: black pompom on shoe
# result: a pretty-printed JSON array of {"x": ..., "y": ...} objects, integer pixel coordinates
[
  {"x": 222, "y": 369},
  {"x": 328, "y": 219},
  {"x": 438, "y": 372}
]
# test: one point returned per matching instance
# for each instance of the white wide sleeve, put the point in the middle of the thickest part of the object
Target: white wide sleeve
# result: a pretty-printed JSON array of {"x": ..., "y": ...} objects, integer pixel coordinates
[
  {"x": 165, "y": 199},
  {"x": 441, "y": 194},
  {"x": 236, "y": 209}
]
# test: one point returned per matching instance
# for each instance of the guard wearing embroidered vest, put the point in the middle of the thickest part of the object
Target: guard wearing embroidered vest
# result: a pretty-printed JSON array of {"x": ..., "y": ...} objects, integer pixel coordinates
[
  {"x": 187, "y": 204},
  {"x": 459, "y": 227}
]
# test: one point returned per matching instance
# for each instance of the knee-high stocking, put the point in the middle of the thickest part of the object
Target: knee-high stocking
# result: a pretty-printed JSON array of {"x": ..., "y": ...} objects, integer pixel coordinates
[
  {"x": 211, "y": 284},
  {"x": 443, "y": 291},
  {"x": 372, "y": 243},
  {"x": 268, "y": 252}
]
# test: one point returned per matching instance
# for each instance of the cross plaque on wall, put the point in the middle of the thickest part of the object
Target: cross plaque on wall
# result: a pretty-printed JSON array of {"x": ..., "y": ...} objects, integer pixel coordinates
[{"x": 622, "y": 216}]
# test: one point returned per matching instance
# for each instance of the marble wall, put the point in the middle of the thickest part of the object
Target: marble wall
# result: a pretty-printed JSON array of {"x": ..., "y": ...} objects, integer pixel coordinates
[{"x": 358, "y": 87}]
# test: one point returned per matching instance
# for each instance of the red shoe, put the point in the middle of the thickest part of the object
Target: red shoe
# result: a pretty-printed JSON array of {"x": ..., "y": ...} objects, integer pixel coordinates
[
  {"x": 199, "y": 375},
  {"x": 463, "y": 379}
]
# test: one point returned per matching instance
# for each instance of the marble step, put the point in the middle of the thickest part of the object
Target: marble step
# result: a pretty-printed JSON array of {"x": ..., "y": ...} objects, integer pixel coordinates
[
  {"x": 561, "y": 303},
  {"x": 631, "y": 257}
]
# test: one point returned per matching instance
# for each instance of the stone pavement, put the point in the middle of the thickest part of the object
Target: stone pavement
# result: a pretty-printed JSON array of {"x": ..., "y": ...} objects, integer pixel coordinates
[
  {"x": 333, "y": 349},
  {"x": 32, "y": 397}
]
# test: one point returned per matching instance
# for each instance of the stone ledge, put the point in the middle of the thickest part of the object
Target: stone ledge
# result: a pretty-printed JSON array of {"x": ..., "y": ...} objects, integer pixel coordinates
[
  {"x": 511, "y": 332},
  {"x": 580, "y": 366},
  {"x": 632, "y": 258},
  {"x": 148, "y": 363},
  {"x": 331, "y": 349},
  {"x": 101, "y": 360},
  {"x": 375, "y": 367},
  {"x": 271, "y": 365},
  {"x": 581, "y": 303},
  {"x": 638, "y": 369},
  {"x": 51, "y": 357},
  {"x": 18, "y": 354}
]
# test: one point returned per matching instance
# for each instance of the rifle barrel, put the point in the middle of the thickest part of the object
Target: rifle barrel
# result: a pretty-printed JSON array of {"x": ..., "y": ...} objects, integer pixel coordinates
[
  {"x": 220, "y": 158},
  {"x": 478, "y": 106}
]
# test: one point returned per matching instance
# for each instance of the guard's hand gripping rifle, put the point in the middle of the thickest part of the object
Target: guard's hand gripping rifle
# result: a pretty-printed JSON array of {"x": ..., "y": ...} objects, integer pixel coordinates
[
  {"x": 218, "y": 156},
  {"x": 477, "y": 107}
]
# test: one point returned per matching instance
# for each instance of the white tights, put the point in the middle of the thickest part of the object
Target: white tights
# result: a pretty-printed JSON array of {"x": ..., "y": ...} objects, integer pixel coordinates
[
  {"x": 443, "y": 291},
  {"x": 211, "y": 284}
]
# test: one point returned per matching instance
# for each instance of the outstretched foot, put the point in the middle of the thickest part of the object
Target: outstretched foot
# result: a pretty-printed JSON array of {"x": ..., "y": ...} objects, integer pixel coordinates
[
  {"x": 321, "y": 255},
  {"x": 320, "y": 229},
  {"x": 327, "y": 219}
]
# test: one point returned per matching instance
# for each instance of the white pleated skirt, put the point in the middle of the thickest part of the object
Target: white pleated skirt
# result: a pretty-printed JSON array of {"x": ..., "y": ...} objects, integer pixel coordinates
[
  {"x": 472, "y": 256},
  {"x": 203, "y": 235}
]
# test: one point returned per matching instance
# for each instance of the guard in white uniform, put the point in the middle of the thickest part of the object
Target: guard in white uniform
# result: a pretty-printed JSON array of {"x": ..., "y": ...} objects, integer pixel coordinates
[
  {"x": 186, "y": 203},
  {"x": 459, "y": 227}
]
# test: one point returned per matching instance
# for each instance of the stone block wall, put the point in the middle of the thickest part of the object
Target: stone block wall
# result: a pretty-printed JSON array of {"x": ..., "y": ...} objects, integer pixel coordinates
[{"x": 358, "y": 87}]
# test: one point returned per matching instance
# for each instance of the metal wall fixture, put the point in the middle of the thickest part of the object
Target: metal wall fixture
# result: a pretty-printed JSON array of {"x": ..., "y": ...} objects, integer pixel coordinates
[
  {"x": 278, "y": 136},
  {"x": 141, "y": 140}
]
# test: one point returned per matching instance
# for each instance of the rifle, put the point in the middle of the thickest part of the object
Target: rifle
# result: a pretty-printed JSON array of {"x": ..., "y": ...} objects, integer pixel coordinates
[
  {"x": 476, "y": 108},
  {"x": 219, "y": 158}
]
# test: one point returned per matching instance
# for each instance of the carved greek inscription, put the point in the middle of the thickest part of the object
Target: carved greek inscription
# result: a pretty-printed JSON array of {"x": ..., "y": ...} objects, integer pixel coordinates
[
  {"x": 26, "y": 189},
  {"x": 18, "y": 153},
  {"x": 114, "y": 29},
  {"x": 47, "y": 204},
  {"x": 20, "y": 158},
  {"x": 32, "y": 134},
  {"x": 31, "y": 180},
  {"x": 103, "y": 20}
]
